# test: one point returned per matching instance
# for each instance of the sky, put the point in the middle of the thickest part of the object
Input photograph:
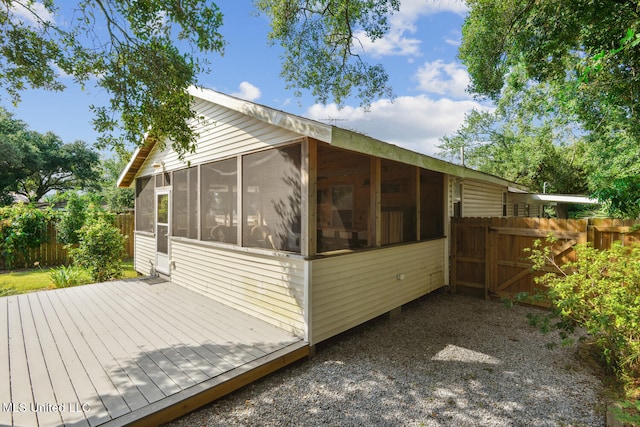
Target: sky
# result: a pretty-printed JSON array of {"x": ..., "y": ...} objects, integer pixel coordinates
[{"x": 419, "y": 54}]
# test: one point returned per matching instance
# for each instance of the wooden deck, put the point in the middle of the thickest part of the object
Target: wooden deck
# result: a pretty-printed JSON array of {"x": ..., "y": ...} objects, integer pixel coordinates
[{"x": 127, "y": 352}]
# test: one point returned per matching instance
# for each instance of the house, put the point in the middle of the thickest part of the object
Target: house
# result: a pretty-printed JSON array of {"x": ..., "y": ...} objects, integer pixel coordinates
[{"x": 310, "y": 227}]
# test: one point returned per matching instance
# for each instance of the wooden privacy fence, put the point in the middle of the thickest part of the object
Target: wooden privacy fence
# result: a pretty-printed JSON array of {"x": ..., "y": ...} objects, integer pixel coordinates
[
  {"x": 488, "y": 254},
  {"x": 53, "y": 253}
]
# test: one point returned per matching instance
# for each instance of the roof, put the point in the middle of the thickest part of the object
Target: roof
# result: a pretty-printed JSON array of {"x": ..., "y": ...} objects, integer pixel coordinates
[
  {"x": 557, "y": 198},
  {"x": 330, "y": 134}
]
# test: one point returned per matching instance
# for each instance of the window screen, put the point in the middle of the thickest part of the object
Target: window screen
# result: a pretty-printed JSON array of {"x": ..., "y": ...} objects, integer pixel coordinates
[
  {"x": 431, "y": 204},
  {"x": 145, "y": 204},
  {"x": 343, "y": 199},
  {"x": 271, "y": 197},
  {"x": 185, "y": 203},
  {"x": 398, "y": 195},
  {"x": 219, "y": 217}
]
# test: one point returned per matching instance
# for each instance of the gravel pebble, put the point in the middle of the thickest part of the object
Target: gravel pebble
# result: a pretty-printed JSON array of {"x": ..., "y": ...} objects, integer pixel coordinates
[{"x": 444, "y": 360}]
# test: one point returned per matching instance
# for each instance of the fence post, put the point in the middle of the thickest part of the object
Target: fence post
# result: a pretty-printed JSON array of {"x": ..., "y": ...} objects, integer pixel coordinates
[
  {"x": 487, "y": 261},
  {"x": 454, "y": 263}
]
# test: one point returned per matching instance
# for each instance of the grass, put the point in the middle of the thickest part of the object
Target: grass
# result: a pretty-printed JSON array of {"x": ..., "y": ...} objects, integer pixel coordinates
[{"x": 37, "y": 279}]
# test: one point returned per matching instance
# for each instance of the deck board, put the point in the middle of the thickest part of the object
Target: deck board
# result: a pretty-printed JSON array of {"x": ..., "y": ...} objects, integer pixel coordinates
[
  {"x": 38, "y": 373},
  {"x": 127, "y": 349},
  {"x": 105, "y": 348},
  {"x": 135, "y": 335},
  {"x": 81, "y": 359},
  {"x": 231, "y": 327},
  {"x": 19, "y": 368},
  {"x": 60, "y": 381},
  {"x": 5, "y": 383},
  {"x": 196, "y": 366},
  {"x": 180, "y": 319}
]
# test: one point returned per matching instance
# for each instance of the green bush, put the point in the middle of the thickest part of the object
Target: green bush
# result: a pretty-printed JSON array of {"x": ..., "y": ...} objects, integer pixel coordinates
[
  {"x": 599, "y": 292},
  {"x": 22, "y": 228},
  {"x": 66, "y": 276},
  {"x": 72, "y": 219},
  {"x": 100, "y": 250}
]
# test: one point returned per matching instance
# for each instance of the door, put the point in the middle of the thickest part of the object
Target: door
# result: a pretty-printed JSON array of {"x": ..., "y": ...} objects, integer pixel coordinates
[{"x": 163, "y": 216}]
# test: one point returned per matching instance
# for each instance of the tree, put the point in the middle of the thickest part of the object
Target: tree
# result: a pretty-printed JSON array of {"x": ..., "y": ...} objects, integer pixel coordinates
[
  {"x": 116, "y": 199},
  {"x": 522, "y": 142},
  {"x": 12, "y": 159},
  {"x": 321, "y": 43},
  {"x": 34, "y": 164},
  {"x": 117, "y": 40},
  {"x": 587, "y": 52}
]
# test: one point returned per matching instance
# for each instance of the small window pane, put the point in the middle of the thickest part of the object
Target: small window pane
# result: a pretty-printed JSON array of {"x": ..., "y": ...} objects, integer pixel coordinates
[
  {"x": 271, "y": 199},
  {"x": 163, "y": 208},
  {"x": 145, "y": 209},
  {"x": 220, "y": 201}
]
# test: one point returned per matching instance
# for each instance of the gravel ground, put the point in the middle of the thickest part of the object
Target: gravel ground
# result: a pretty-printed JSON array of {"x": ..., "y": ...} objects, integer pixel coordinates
[{"x": 445, "y": 360}]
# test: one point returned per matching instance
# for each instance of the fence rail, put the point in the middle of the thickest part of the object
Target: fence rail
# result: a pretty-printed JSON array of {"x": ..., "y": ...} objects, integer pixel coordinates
[
  {"x": 53, "y": 253},
  {"x": 487, "y": 254}
]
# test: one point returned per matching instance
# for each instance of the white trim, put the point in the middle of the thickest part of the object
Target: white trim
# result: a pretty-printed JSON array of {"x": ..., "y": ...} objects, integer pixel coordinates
[
  {"x": 558, "y": 198},
  {"x": 265, "y": 114}
]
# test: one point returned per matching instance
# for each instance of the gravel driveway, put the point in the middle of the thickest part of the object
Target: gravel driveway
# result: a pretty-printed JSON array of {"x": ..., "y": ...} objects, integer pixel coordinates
[{"x": 446, "y": 360}]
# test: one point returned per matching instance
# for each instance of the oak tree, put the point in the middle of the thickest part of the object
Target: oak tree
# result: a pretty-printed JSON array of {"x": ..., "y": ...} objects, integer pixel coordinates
[{"x": 145, "y": 54}]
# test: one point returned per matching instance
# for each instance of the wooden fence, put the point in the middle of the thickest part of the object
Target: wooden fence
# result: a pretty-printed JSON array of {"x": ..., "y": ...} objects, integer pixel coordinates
[
  {"x": 53, "y": 253},
  {"x": 487, "y": 254}
]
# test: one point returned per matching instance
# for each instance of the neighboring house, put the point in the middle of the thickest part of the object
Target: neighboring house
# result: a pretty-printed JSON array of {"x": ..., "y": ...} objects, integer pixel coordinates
[{"x": 310, "y": 227}]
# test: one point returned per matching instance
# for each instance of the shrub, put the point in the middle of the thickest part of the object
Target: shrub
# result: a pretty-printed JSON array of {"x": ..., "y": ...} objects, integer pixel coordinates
[
  {"x": 66, "y": 276},
  {"x": 599, "y": 292},
  {"x": 72, "y": 219},
  {"x": 22, "y": 228},
  {"x": 100, "y": 249}
]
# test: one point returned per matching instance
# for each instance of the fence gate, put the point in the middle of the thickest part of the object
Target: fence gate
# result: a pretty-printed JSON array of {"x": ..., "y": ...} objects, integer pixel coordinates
[{"x": 488, "y": 253}]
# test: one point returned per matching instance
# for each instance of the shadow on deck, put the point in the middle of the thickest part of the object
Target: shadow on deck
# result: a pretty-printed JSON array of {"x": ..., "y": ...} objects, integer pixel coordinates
[{"x": 128, "y": 352}]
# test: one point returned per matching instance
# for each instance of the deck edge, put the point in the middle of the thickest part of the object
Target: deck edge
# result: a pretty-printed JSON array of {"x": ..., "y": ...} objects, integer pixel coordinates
[{"x": 181, "y": 403}]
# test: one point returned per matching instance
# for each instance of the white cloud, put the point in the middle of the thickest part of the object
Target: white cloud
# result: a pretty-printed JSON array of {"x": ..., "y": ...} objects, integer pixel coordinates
[
  {"x": 438, "y": 77},
  {"x": 394, "y": 43},
  {"x": 454, "y": 38},
  {"x": 34, "y": 15},
  {"x": 416, "y": 123},
  {"x": 248, "y": 91},
  {"x": 403, "y": 22}
]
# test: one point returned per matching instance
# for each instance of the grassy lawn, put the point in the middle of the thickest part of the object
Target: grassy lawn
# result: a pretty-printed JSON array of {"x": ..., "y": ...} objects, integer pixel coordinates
[{"x": 37, "y": 279}]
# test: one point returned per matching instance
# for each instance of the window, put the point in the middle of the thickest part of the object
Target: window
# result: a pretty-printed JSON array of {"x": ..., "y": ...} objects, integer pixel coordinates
[
  {"x": 145, "y": 205},
  {"x": 343, "y": 199},
  {"x": 457, "y": 200},
  {"x": 271, "y": 198},
  {"x": 504, "y": 203},
  {"x": 398, "y": 199},
  {"x": 185, "y": 203},
  {"x": 163, "y": 179},
  {"x": 219, "y": 217},
  {"x": 431, "y": 204}
]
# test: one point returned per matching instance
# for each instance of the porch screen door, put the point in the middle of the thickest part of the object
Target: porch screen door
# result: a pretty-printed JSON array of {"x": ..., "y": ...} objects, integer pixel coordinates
[{"x": 162, "y": 231}]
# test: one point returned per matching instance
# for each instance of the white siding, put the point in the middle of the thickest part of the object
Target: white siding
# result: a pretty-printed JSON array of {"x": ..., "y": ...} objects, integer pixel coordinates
[
  {"x": 481, "y": 199},
  {"x": 144, "y": 250},
  {"x": 348, "y": 290},
  {"x": 268, "y": 287},
  {"x": 224, "y": 133}
]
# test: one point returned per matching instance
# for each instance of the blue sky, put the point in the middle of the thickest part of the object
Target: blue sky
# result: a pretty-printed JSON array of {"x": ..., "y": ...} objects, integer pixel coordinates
[{"x": 419, "y": 53}]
